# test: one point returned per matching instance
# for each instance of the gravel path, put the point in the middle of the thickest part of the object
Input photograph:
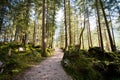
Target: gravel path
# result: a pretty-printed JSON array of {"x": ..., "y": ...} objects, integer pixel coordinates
[{"x": 49, "y": 69}]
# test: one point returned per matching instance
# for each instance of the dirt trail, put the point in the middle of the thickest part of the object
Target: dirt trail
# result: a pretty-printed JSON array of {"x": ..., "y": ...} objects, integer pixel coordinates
[{"x": 49, "y": 69}]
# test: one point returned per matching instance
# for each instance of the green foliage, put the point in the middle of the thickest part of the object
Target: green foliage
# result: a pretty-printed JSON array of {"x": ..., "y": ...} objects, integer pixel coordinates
[
  {"x": 18, "y": 61},
  {"x": 93, "y": 64},
  {"x": 80, "y": 67},
  {"x": 48, "y": 52},
  {"x": 96, "y": 52}
]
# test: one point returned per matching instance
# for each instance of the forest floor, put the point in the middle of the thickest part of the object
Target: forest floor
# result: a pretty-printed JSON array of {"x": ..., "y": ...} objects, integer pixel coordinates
[{"x": 48, "y": 69}]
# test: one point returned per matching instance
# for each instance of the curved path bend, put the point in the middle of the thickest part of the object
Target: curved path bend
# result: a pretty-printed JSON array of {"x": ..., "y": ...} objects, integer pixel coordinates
[{"x": 48, "y": 69}]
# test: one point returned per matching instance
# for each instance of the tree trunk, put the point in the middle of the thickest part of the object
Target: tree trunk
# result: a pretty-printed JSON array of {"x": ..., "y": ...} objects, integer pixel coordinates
[
  {"x": 16, "y": 33},
  {"x": 89, "y": 32},
  {"x": 106, "y": 40},
  {"x": 34, "y": 33},
  {"x": 81, "y": 34},
  {"x": 70, "y": 35},
  {"x": 43, "y": 30},
  {"x": 112, "y": 31},
  {"x": 1, "y": 21},
  {"x": 27, "y": 21},
  {"x": 53, "y": 24},
  {"x": 98, "y": 33},
  {"x": 107, "y": 26},
  {"x": 65, "y": 22},
  {"x": 82, "y": 42},
  {"x": 99, "y": 26}
]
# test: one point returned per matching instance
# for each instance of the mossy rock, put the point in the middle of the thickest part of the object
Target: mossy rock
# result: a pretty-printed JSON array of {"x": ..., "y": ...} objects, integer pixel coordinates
[
  {"x": 110, "y": 56},
  {"x": 96, "y": 50},
  {"x": 100, "y": 66}
]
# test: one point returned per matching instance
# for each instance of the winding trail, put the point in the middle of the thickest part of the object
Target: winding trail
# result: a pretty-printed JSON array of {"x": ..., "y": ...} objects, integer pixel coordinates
[{"x": 48, "y": 69}]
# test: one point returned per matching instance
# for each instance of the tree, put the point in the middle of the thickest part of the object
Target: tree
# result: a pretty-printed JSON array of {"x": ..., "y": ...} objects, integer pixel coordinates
[
  {"x": 28, "y": 5},
  {"x": 70, "y": 35},
  {"x": 107, "y": 26},
  {"x": 88, "y": 31},
  {"x": 65, "y": 22},
  {"x": 43, "y": 29},
  {"x": 99, "y": 26}
]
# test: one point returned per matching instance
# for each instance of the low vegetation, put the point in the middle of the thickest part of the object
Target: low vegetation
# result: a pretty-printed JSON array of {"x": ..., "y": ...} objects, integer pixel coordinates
[
  {"x": 93, "y": 64},
  {"x": 15, "y": 58}
]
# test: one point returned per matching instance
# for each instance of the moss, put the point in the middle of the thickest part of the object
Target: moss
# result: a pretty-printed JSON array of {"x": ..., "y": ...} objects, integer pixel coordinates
[
  {"x": 18, "y": 61},
  {"x": 80, "y": 67},
  {"x": 93, "y": 64}
]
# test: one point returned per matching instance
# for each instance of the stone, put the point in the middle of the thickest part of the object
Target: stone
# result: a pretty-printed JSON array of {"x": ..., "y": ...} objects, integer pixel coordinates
[
  {"x": 21, "y": 49},
  {"x": 1, "y": 67},
  {"x": 1, "y": 63}
]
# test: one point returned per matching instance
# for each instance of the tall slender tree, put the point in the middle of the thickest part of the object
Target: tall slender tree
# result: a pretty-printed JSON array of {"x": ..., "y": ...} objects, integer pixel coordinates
[
  {"x": 107, "y": 26},
  {"x": 65, "y": 22},
  {"x": 43, "y": 29},
  {"x": 70, "y": 35},
  {"x": 89, "y": 30},
  {"x": 99, "y": 26},
  {"x": 113, "y": 37}
]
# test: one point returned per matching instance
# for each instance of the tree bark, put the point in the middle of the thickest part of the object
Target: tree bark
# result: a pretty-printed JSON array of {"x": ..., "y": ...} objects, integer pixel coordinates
[
  {"x": 112, "y": 32},
  {"x": 106, "y": 39},
  {"x": 65, "y": 22},
  {"x": 99, "y": 26},
  {"x": 70, "y": 35},
  {"x": 43, "y": 30},
  {"x": 98, "y": 33},
  {"x": 27, "y": 21},
  {"x": 1, "y": 21},
  {"x": 82, "y": 42},
  {"x": 89, "y": 32},
  {"x": 34, "y": 33},
  {"x": 81, "y": 34},
  {"x": 107, "y": 26}
]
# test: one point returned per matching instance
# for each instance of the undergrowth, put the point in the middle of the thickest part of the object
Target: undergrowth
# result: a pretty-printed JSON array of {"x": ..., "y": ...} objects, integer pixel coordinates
[
  {"x": 93, "y": 64},
  {"x": 18, "y": 61}
]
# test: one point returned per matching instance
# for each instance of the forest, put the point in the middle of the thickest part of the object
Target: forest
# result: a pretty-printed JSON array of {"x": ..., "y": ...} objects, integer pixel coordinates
[{"x": 87, "y": 31}]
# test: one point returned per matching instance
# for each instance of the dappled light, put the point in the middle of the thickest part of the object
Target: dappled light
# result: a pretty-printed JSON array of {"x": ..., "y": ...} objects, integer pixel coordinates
[{"x": 59, "y": 40}]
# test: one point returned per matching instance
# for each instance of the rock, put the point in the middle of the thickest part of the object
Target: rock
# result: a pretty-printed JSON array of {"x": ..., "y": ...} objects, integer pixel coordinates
[
  {"x": 1, "y": 67},
  {"x": 9, "y": 52},
  {"x": 66, "y": 62},
  {"x": 21, "y": 49},
  {"x": 1, "y": 63}
]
